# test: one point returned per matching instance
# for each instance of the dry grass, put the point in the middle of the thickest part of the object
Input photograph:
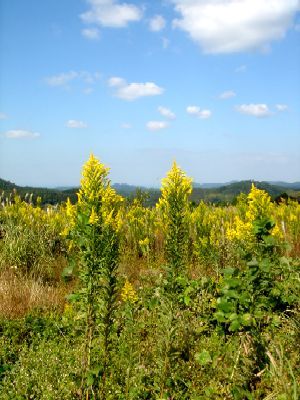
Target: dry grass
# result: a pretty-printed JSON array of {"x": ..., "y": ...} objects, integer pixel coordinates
[{"x": 20, "y": 295}]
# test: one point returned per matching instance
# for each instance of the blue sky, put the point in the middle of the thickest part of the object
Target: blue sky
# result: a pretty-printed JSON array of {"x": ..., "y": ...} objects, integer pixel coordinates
[{"x": 213, "y": 84}]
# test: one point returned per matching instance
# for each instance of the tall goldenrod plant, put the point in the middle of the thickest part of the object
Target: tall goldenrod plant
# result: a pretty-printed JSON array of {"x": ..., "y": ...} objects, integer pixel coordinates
[
  {"x": 175, "y": 212},
  {"x": 95, "y": 233}
]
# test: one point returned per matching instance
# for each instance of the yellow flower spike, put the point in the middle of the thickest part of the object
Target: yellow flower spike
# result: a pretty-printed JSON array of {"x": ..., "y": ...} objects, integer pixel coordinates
[
  {"x": 93, "y": 217},
  {"x": 70, "y": 211},
  {"x": 94, "y": 180},
  {"x": 128, "y": 294},
  {"x": 144, "y": 242}
]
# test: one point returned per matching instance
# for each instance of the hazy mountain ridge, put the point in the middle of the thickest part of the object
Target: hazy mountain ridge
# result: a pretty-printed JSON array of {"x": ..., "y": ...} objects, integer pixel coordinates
[{"x": 210, "y": 192}]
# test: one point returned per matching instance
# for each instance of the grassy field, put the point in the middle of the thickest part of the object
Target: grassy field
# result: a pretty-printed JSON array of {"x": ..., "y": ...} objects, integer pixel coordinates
[{"x": 110, "y": 299}]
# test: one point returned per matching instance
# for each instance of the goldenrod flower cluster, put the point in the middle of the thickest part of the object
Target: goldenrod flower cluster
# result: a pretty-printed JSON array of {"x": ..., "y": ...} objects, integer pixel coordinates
[
  {"x": 97, "y": 198},
  {"x": 128, "y": 294},
  {"x": 176, "y": 184}
]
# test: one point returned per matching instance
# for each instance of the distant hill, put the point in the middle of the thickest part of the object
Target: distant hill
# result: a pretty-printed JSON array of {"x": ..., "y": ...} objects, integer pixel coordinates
[
  {"x": 226, "y": 193},
  {"x": 211, "y": 185},
  {"x": 49, "y": 196},
  {"x": 289, "y": 185}
]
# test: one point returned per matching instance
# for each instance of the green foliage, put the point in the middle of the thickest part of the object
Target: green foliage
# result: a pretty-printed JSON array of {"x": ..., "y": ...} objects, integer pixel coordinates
[
  {"x": 174, "y": 204},
  {"x": 95, "y": 235},
  {"x": 193, "y": 319}
]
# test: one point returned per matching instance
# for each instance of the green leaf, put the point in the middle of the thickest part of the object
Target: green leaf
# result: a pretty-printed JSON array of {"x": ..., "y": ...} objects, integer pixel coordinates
[
  {"x": 73, "y": 297},
  {"x": 219, "y": 316},
  {"x": 90, "y": 379},
  {"x": 235, "y": 325},
  {"x": 224, "y": 306},
  {"x": 246, "y": 319},
  {"x": 233, "y": 282},
  {"x": 203, "y": 358}
]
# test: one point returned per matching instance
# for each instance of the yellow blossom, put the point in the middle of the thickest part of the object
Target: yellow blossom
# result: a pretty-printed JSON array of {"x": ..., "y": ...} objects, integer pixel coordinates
[
  {"x": 128, "y": 294},
  {"x": 93, "y": 217}
]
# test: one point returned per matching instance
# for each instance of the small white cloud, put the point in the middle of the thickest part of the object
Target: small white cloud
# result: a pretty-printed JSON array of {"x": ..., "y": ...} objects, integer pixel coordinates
[
  {"x": 197, "y": 112},
  {"x": 91, "y": 33},
  {"x": 135, "y": 90},
  {"x": 297, "y": 27},
  {"x": 125, "y": 125},
  {"x": 229, "y": 26},
  {"x": 63, "y": 79},
  {"x": 111, "y": 13},
  {"x": 156, "y": 125},
  {"x": 241, "y": 68},
  {"x": 116, "y": 81},
  {"x": 157, "y": 23},
  {"x": 21, "y": 134},
  {"x": 256, "y": 110},
  {"x": 165, "y": 42},
  {"x": 281, "y": 107},
  {"x": 75, "y": 124},
  {"x": 227, "y": 95},
  {"x": 3, "y": 116},
  {"x": 88, "y": 90},
  {"x": 166, "y": 112}
]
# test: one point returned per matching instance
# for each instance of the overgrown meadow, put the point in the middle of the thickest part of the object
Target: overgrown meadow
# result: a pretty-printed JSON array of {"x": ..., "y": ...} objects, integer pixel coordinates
[{"x": 109, "y": 299}]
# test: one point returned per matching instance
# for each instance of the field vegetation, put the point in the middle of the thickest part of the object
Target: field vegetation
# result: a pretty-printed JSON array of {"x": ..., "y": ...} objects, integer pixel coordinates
[{"x": 108, "y": 298}]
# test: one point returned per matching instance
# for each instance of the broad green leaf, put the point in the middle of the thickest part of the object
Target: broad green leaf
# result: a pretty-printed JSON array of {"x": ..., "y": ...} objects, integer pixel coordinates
[{"x": 203, "y": 358}]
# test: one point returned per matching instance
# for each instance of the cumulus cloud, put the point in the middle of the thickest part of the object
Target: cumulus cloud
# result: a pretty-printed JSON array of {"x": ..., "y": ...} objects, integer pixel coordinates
[
  {"x": 91, "y": 33},
  {"x": 228, "y": 26},
  {"x": 111, "y": 13},
  {"x": 65, "y": 78},
  {"x": 157, "y": 23},
  {"x": 134, "y": 90},
  {"x": 166, "y": 112},
  {"x": 227, "y": 95},
  {"x": 3, "y": 116},
  {"x": 281, "y": 107},
  {"x": 156, "y": 125},
  {"x": 197, "y": 112},
  {"x": 75, "y": 124},
  {"x": 256, "y": 110},
  {"x": 21, "y": 134}
]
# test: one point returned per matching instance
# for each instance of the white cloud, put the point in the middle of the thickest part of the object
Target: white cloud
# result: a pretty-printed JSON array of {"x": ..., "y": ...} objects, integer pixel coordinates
[
  {"x": 125, "y": 125},
  {"x": 197, "y": 112},
  {"x": 91, "y": 33},
  {"x": 227, "y": 95},
  {"x": 135, "y": 90},
  {"x": 3, "y": 116},
  {"x": 111, "y": 13},
  {"x": 156, "y": 125},
  {"x": 281, "y": 107},
  {"x": 256, "y": 110},
  {"x": 165, "y": 42},
  {"x": 157, "y": 23},
  {"x": 241, "y": 68},
  {"x": 21, "y": 134},
  {"x": 75, "y": 124},
  {"x": 227, "y": 26},
  {"x": 88, "y": 90},
  {"x": 64, "y": 78},
  {"x": 116, "y": 81},
  {"x": 166, "y": 112}
]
